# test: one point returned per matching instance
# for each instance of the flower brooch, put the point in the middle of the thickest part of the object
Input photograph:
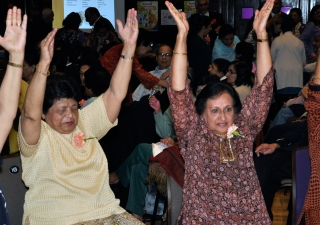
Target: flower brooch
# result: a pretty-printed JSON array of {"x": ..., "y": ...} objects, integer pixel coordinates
[
  {"x": 79, "y": 139},
  {"x": 232, "y": 131}
]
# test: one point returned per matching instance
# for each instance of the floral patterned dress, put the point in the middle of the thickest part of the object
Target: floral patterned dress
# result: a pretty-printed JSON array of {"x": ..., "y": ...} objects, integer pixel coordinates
[{"x": 214, "y": 192}]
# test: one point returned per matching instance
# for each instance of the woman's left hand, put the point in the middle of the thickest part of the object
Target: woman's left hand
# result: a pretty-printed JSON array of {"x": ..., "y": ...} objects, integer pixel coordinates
[
  {"x": 46, "y": 46},
  {"x": 261, "y": 18}
]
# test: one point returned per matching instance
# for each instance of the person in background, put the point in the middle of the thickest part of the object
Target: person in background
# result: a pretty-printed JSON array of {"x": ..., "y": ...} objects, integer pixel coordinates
[
  {"x": 92, "y": 15},
  {"x": 216, "y": 18},
  {"x": 225, "y": 44},
  {"x": 163, "y": 58},
  {"x": 310, "y": 31},
  {"x": 13, "y": 41},
  {"x": 296, "y": 15},
  {"x": 239, "y": 75},
  {"x": 219, "y": 68},
  {"x": 199, "y": 49},
  {"x": 144, "y": 46},
  {"x": 288, "y": 58}
]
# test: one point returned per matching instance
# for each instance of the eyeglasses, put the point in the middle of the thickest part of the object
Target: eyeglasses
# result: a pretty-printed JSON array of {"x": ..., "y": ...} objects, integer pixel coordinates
[
  {"x": 231, "y": 71},
  {"x": 164, "y": 54}
]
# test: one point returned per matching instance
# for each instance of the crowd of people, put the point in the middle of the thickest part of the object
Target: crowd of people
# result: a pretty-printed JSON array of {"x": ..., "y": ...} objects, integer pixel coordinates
[{"x": 87, "y": 111}]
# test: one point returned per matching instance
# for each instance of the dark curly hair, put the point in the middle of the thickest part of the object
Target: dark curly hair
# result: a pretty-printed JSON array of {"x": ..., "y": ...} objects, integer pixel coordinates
[
  {"x": 59, "y": 87},
  {"x": 243, "y": 69},
  {"x": 72, "y": 21}
]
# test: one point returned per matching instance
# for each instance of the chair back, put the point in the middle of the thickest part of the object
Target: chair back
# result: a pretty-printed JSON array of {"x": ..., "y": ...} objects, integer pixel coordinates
[
  {"x": 13, "y": 187},
  {"x": 174, "y": 200},
  {"x": 301, "y": 172}
]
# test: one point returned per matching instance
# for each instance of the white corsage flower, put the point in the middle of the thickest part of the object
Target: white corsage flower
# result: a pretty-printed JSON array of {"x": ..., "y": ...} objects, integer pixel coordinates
[{"x": 232, "y": 131}]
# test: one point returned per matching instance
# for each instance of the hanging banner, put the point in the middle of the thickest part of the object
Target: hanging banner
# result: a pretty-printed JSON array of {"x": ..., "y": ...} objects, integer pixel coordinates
[{"x": 148, "y": 15}]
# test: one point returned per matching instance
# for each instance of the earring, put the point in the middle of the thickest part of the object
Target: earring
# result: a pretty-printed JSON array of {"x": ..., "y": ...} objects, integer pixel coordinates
[{"x": 43, "y": 116}]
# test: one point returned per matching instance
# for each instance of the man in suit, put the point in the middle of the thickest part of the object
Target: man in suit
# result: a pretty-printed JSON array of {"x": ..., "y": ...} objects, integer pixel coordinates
[{"x": 216, "y": 18}]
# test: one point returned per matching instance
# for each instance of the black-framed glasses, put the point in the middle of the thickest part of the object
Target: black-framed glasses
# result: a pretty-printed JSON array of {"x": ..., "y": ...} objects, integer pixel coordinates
[{"x": 162, "y": 54}]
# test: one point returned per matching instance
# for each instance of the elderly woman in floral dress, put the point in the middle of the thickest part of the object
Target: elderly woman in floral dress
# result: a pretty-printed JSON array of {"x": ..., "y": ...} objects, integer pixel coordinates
[{"x": 220, "y": 182}]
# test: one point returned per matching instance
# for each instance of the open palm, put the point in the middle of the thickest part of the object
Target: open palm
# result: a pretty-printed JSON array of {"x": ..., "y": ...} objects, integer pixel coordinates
[
  {"x": 129, "y": 32},
  {"x": 261, "y": 17},
  {"x": 179, "y": 17},
  {"x": 14, "y": 39}
]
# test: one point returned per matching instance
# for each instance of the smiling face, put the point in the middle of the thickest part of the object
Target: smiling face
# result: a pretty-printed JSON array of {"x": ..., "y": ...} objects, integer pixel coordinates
[
  {"x": 219, "y": 113},
  {"x": 62, "y": 116}
]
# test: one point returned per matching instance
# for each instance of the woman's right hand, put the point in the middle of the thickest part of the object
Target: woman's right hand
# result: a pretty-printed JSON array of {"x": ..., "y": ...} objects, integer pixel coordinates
[
  {"x": 179, "y": 17},
  {"x": 129, "y": 32},
  {"x": 47, "y": 47}
]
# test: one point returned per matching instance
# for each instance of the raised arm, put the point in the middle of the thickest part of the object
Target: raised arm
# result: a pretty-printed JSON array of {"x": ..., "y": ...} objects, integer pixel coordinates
[
  {"x": 179, "y": 64},
  {"x": 14, "y": 41},
  {"x": 264, "y": 61},
  {"x": 117, "y": 91},
  {"x": 32, "y": 109}
]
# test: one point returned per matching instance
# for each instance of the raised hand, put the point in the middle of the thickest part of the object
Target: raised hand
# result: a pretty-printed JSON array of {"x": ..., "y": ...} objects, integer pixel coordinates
[
  {"x": 261, "y": 18},
  {"x": 14, "y": 39},
  {"x": 47, "y": 45},
  {"x": 129, "y": 32},
  {"x": 179, "y": 17}
]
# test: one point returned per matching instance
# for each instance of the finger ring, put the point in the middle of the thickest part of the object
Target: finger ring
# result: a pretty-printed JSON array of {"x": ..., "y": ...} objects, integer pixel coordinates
[
  {"x": 268, "y": 8},
  {"x": 19, "y": 24}
]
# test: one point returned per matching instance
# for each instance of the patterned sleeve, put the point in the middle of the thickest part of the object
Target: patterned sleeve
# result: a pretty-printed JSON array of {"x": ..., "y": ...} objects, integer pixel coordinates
[
  {"x": 255, "y": 107},
  {"x": 184, "y": 115},
  {"x": 312, "y": 105}
]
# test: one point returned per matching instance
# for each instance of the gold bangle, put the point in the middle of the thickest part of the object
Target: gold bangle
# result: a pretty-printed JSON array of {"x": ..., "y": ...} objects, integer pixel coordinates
[
  {"x": 262, "y": 40},
  {"x": 180, "y": 53},
  {"x": 45, "y": 74},
  {"x": 14, "y": 65},
  {"x": 127, "y": 57}
]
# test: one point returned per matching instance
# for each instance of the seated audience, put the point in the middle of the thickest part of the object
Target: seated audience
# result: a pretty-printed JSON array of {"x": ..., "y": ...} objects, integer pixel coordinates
[
  {"x": 64, "y": 146},
  {"x": 111, "y": 57},
  {"x": 164, "y": 55},
  {"x": 225, "y": 44}
]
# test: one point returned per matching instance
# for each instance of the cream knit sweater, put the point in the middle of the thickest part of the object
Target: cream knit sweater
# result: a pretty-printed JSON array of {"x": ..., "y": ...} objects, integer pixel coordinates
[{"x": 66, "y": 184}]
